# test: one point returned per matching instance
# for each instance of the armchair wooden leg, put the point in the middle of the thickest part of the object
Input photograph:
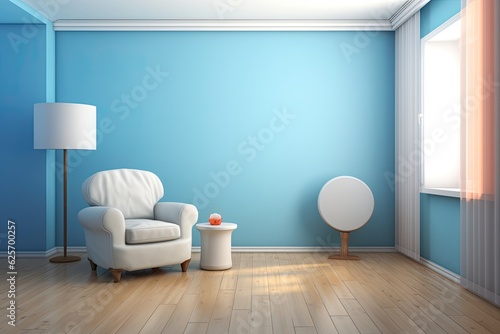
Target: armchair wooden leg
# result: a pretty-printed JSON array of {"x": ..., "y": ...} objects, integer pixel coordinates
[
  {"x": 93, "y": 266},
  {"x": 117, "y": 274},
  {"x": 185, "y": 265}
]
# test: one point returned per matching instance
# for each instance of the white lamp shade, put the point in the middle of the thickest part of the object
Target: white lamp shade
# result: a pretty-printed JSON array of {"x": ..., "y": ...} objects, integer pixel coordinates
[{"x": 64, "y": 126}]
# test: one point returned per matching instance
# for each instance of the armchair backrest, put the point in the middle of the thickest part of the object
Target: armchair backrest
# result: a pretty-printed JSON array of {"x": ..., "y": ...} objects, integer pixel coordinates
[{"x": 134, "y": 192}]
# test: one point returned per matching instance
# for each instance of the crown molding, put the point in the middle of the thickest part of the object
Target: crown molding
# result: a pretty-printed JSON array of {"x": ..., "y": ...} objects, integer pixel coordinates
[
  {"x": 222, "y": 25},
  {"x": 406, "y": 11}
]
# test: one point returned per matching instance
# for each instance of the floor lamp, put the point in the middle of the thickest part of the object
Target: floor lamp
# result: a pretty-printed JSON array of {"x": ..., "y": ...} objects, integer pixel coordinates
[{"x": 65, "y": 126}]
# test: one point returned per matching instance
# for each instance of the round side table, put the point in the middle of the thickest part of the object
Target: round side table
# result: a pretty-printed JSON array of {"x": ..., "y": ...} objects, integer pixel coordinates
[{"x": 216, "y": 245}]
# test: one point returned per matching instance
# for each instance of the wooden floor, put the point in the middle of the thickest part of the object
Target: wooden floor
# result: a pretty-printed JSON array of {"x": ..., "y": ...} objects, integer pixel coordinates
[{"x": 262, "y": 293}]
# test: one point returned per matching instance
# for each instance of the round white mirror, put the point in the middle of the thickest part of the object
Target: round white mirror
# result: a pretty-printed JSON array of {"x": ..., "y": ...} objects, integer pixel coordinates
[{"x": 346, "y": 204}]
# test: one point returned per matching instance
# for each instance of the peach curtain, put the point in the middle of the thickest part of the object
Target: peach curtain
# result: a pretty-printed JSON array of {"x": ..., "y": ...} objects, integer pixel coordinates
[{"x": 480, "y": 205}]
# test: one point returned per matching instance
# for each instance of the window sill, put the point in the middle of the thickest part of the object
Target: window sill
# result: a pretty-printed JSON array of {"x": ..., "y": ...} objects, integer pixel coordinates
[{"x": 448, "y": 192}]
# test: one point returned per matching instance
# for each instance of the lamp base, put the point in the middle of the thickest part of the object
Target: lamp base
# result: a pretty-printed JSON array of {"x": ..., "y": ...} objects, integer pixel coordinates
[{"x": 65, "y": 259}]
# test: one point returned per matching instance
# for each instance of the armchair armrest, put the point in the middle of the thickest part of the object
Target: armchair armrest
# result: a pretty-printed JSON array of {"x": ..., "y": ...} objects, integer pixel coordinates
[
  {"x": 103, "y": 222},
  {"x": 104, "y": 229},
  {"x": 182, "y": 214}
]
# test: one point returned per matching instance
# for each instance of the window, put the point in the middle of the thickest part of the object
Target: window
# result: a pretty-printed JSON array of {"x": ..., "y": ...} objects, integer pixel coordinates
[{"x": 440, "y": 115}]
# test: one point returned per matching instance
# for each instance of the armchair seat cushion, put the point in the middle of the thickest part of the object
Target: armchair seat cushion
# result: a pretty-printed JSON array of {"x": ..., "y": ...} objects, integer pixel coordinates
[{"x": 141, "y": 231}]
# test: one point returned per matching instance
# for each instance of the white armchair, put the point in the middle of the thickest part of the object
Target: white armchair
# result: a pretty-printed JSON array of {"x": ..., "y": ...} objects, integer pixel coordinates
[{"x": 126, "y": 228}]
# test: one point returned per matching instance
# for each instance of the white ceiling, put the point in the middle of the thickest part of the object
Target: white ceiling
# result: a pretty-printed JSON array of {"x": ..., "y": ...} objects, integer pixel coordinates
[{"x": 218, "y": 9}]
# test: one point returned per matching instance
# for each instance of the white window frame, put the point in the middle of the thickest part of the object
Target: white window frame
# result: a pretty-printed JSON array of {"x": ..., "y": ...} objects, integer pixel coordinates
[{"x": 450, "y": 192}]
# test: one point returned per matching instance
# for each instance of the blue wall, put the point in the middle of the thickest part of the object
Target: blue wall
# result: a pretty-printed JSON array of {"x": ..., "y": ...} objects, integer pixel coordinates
[
  {"x": 22, "y": 178},
  {"x": 341, "y": 108},
  {"x": 440, "y": 230},
  {"x": 435, "y": 13},
  {"x": 439, "y": 216},
  {"x": 251, "y": 124},
  {"x": 12, "y": 13}
]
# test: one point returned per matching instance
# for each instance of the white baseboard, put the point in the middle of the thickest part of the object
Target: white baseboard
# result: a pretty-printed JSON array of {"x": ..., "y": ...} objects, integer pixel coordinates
[
  {"x": 256, "y": 249},
  {"x": 236, "y": 249},
  {"x": 441, "y": 270},
  {"x": 44, "y": 254}
]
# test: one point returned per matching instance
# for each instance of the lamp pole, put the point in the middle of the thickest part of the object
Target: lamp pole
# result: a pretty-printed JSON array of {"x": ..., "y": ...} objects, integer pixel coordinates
[{"x": 65, "y": 258}]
